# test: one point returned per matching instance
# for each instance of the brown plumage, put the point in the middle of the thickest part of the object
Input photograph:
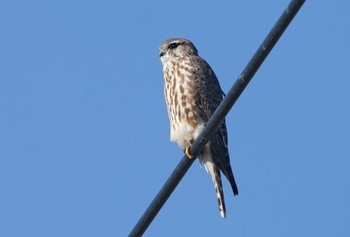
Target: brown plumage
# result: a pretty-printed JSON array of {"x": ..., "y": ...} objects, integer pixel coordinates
[{"x": 192, "y": 94}]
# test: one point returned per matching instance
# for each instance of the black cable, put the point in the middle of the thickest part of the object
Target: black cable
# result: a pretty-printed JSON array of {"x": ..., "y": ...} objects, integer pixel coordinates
[{"x": 219, "y": 115}]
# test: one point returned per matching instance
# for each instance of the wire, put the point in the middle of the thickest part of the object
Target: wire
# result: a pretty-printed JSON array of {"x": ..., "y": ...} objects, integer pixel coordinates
[{"x": 219, "y": 115}]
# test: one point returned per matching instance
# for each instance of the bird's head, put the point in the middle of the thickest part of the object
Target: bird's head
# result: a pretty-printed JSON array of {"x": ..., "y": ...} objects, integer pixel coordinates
[{"x": 176, "y": 48}]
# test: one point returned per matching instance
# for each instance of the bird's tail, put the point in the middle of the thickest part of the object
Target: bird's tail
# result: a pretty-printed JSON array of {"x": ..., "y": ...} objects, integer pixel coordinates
[{"x": 216, "y": 177}]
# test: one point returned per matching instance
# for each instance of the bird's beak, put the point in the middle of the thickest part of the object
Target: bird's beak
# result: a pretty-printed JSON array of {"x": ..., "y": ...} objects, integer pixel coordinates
[{"x": 161, "y": 54}]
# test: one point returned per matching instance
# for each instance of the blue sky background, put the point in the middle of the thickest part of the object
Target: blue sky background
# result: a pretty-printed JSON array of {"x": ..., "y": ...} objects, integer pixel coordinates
[{"x": 84, "y": 132}]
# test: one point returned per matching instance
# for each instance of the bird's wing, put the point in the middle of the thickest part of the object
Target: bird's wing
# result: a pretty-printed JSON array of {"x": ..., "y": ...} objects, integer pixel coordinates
[{"x": 209, "y": 97}]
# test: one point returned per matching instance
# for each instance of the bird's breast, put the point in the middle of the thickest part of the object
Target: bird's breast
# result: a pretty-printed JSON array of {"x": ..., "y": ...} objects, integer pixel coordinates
[{"x": 181, "y": 99}]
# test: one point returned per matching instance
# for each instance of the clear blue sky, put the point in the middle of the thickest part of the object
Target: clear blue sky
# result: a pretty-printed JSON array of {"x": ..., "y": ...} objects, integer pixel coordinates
[{"x": 84, "y": 132}]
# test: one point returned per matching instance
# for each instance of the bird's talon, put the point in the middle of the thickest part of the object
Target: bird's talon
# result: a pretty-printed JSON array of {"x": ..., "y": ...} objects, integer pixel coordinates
[{"x": 187, "y": 152}]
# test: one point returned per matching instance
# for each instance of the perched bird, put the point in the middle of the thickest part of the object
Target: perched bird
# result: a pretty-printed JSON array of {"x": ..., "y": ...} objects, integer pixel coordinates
[{"x": 192, "y": 94}]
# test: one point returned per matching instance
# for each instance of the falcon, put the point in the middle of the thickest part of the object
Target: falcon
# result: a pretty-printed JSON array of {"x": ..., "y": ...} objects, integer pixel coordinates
[{"x": 192, "y": 94}]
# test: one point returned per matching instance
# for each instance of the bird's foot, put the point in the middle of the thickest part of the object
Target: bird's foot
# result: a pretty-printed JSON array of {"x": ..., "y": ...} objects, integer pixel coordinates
[{"x": 187, "y": 152}]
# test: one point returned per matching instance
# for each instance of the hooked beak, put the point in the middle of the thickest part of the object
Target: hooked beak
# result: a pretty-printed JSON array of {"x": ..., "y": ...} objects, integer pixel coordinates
[{"x": 161, "y": 54}]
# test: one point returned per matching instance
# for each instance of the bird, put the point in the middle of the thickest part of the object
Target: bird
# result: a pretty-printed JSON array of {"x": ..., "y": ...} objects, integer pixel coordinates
[{"x": 192, "y": 94}]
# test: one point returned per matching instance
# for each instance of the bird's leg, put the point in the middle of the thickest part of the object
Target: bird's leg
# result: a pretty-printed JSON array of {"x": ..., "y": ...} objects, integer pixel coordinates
[{"x": 187, "y": 152}]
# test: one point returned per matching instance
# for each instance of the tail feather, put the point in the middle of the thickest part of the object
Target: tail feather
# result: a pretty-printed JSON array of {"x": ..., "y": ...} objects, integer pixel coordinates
[
  {"x": 216, "y": 177},
  {"x": 219, "y": 192}
]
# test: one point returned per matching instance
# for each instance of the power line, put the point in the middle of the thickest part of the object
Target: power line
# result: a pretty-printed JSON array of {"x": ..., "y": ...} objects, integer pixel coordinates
[{"x": 219, "y": 115}]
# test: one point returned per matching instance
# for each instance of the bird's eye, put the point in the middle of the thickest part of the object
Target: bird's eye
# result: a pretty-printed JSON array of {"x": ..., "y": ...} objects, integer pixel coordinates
[{"x": 173, "y": 45}]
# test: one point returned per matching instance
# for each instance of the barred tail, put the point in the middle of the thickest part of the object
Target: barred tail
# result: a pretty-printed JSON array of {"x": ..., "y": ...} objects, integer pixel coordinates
[
  {"x": 219, "y": 192},
  {"x": 216, "y": 177}
]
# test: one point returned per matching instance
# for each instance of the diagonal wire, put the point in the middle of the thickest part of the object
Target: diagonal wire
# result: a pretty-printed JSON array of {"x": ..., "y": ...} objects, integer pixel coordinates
[{"x": 219, "y": 115}]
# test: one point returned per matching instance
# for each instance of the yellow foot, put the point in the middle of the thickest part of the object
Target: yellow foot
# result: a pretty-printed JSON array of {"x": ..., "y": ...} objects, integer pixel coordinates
[{"x": 187, "y": 152}]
